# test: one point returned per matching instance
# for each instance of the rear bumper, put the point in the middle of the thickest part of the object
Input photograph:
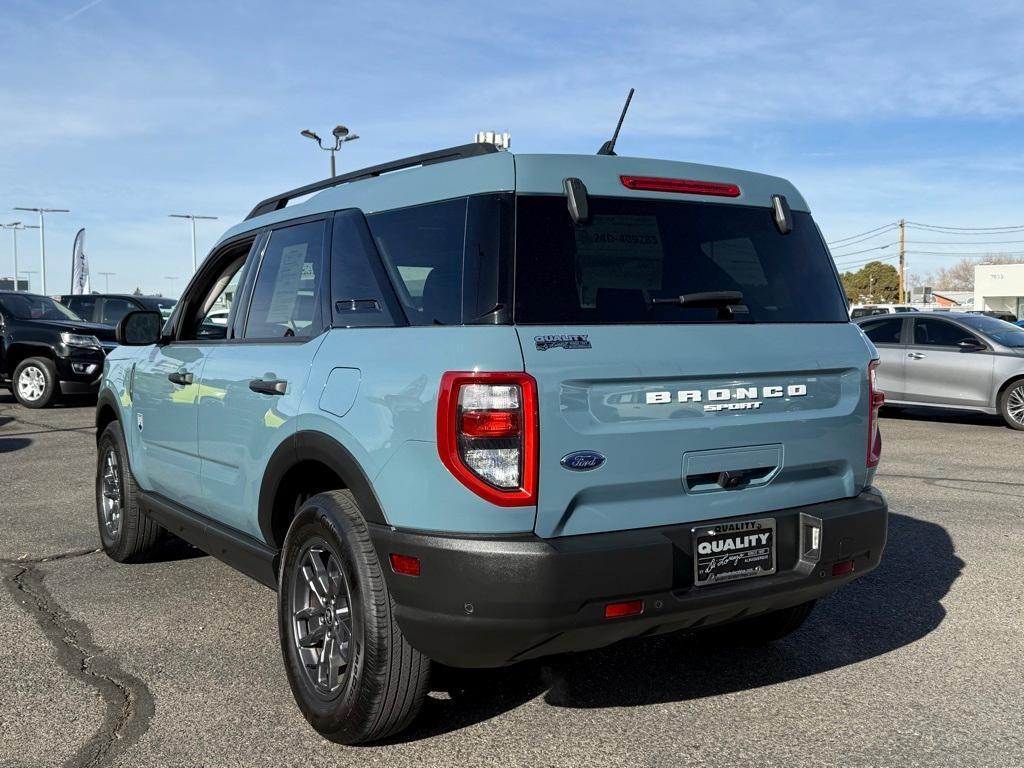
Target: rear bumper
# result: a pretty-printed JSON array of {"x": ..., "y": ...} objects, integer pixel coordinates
[{"x": 484, "y": 602}]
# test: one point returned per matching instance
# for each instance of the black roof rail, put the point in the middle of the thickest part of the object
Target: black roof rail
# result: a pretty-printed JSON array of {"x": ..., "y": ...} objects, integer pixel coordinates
[{"x": 277, "y": 202}]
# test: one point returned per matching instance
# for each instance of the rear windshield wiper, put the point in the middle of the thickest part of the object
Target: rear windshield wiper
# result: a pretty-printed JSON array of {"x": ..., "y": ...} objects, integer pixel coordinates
[{"x": 730, "y": 301}]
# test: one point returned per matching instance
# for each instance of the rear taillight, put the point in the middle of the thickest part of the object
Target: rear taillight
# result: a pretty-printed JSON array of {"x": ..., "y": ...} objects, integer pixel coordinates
[
  {"x": 487, "y": 434},
  {"x": 877, "y": 400},
  {"x": 680, "y": 186}
]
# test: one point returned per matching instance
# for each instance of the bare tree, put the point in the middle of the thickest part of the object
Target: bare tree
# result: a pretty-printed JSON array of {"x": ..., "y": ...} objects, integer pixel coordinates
[{"x": 960, "y": 276}]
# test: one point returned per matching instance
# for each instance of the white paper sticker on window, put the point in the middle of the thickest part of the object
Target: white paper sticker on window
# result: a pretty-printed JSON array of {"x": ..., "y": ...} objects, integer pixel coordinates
[{"x": 286, "y": 283}]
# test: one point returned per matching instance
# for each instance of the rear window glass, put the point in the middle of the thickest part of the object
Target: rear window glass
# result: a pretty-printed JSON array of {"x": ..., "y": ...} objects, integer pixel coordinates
[{"x": 633, "y": 252}]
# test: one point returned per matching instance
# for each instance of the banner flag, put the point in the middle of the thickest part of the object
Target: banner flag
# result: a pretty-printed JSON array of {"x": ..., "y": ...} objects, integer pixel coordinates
[{"x": 79, "y": 265}]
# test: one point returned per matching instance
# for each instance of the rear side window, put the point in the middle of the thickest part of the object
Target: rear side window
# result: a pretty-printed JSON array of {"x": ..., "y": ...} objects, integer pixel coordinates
[
  {"x": 115, "y": 309},
  {"x": 631, "y": 252},
  {"x": 361, "y": 295},
  {"x": 939, "y": 333},
  {"x": 885, "y": 331},
  {"x": 286, "y": 298}
]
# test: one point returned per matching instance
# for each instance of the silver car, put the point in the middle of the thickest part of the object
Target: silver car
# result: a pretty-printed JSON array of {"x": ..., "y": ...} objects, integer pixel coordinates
[{"x": 952, "y": 360}]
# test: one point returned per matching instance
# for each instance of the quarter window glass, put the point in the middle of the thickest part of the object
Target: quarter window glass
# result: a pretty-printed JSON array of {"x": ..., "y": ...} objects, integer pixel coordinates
[
  {"x": 938, "y": 333},
  {"x": 423, "y": 246},
  {"x": 286, "y": 297},
  {"x": 884, "y": 331}
]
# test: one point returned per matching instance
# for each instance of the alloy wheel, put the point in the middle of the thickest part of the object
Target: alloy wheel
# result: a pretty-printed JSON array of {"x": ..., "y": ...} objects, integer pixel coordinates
[
  {"x": 1015, "y": 404},
  {"x": 31, "y": 383},
  {"x": 321, "y": 610},
  {"x": 110, "y": 503}
]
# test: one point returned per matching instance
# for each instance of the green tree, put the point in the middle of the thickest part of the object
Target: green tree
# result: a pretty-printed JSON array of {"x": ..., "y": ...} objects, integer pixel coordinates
[{"x": 873, "y": 283}]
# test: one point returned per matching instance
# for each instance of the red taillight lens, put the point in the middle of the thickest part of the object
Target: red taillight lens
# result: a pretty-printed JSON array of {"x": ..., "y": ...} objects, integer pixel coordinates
[
  {"x": 490, "y": 423},
  {"x": 487, "y": 434},
  {"x": 406, "y": 565},
  {"x": 681, "y": 186},
  {"x": 618, "y": 610},
  {"x": 877, "y": 400},
  {"x": 842, "y": 568}
]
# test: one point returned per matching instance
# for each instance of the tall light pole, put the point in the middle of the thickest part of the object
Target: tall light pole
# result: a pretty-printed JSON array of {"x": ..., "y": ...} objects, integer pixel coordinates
[
  {"x": 42, "y": 237},
  {"x": 191, "y": 217},
  {"x": 341, "y": 135},
  {"x": 14, "y": 226},
  {"x": 106, "y": 280}
]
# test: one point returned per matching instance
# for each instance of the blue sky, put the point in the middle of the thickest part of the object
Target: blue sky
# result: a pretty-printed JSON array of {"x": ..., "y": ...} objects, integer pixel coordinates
[{"x": 126, "y": 111}]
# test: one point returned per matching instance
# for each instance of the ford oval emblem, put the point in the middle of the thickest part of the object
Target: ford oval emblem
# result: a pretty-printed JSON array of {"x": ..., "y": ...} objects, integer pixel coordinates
[{"x": 582, "y": 461}]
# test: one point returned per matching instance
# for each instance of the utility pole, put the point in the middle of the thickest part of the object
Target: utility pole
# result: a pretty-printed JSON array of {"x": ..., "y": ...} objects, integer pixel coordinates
[
  {"x": 192, "y": 217},
  {"x": 42, "y": 239},
  {"x": 14, "y": 227},
  {"x": 903, "y": 263}
]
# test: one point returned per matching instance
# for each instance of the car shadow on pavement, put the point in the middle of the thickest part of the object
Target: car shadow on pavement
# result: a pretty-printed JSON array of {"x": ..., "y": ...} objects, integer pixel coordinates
[
  {"x": 896, "y": 605},
  {"x": 942, "y": 415},
  {"x": 12, "y": 444}
]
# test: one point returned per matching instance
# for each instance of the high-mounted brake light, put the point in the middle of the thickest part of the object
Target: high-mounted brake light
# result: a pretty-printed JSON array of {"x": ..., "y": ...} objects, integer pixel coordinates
[
  {"x": 681, "y": 186},
  {"x": 877, "y": 400},
  {"x": 487, "y": 434}
]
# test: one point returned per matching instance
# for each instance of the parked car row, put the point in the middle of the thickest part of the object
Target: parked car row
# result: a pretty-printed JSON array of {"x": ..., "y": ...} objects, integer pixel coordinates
[
  {"x": 950, "y": 360},
  {"x": 50, "y": 348}
]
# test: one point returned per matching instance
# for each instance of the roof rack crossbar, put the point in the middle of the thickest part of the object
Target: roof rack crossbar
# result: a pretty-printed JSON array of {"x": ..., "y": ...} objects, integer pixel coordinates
[{"x": 277, "y": 202}]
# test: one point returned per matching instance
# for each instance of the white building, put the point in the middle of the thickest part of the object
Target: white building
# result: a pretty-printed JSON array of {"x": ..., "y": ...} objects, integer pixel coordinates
[{"x": 999, "y": 287}]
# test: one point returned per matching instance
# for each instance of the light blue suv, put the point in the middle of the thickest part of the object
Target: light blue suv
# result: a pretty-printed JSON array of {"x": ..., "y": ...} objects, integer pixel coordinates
[{"x": 474, "y": 407}]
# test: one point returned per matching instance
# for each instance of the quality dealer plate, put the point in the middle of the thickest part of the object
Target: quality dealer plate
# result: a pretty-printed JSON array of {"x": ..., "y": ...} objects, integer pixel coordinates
[{"x": 734, "y": 550}]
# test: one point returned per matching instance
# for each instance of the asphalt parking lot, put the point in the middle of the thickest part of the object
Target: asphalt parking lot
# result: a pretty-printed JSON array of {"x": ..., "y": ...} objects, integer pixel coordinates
[{"x": 176, "y": 662}]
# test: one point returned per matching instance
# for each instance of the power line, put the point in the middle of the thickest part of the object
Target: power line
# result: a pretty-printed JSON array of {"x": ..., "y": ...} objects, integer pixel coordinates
[
  {"x": 968, "y": 253},
  {"x": 853, "y": 237},
  {"x": 963, "y": 242},
  {"x": 883, "y": 233},
  {"x": 862, "y": 262},
  {"x": 966, "y": 230},
  {"x": 866, "y": 250}
]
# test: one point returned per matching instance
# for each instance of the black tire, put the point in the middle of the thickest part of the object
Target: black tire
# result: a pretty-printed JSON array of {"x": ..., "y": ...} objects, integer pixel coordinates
[
  {"x": 381, "y": 681},
  {"x": 1010, "y": 403},
  {"x": 35, "y": 369},
  {"x": 135, "y": 536},
  {"x": 759, "y": 630}
]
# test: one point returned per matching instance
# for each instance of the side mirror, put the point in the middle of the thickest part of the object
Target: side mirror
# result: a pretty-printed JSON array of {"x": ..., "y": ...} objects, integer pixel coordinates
[
  {"x": 139, "y": 329},
  {"x": 970, "y": 345}
]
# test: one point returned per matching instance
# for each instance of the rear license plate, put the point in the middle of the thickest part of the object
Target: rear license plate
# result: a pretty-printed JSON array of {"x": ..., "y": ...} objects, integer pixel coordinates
[{"x": 735, "y": 550}]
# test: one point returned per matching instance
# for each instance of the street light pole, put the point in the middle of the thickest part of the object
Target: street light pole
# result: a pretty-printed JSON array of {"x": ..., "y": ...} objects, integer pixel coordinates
[
  {"x": 341, "y": 135},
  {"x": 191, "y": 217},
  {"x": 106, "y": 280},
  {"x": 29, "y": 272},
  {"x": 42, "y": 238},
  {"x": 14, "y": 227}
]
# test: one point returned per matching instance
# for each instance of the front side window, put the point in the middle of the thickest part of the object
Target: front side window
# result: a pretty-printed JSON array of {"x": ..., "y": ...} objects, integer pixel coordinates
[
  {"x": 883, "y": 331},
  {"x": 634, "y": 258},
  {"x": 931, "y": 332},
  {"x": 286, "y": 297},
  {"x": 81, "y": 305}
]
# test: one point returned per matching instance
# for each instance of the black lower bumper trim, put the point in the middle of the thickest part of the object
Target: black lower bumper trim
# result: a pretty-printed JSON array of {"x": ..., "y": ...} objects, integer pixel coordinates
[{"x": 484, "y": 602}]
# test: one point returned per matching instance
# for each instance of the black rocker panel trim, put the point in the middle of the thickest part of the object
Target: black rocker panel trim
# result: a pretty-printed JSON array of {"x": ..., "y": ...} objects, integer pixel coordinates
[{"x": 243, "y": 553}]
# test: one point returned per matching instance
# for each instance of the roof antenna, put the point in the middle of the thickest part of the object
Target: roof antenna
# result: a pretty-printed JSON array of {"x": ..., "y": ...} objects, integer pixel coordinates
[{"x": 608, "y": 148}]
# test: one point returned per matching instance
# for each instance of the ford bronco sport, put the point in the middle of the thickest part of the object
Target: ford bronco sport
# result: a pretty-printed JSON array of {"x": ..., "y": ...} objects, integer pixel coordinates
[{"x": 474, "y": 407}]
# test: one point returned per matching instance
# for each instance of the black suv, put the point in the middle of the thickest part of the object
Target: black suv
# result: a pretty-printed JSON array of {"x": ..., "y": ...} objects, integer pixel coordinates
[
  {"x": 47, "y": 350},
  {"x": 109, "y": 308}
]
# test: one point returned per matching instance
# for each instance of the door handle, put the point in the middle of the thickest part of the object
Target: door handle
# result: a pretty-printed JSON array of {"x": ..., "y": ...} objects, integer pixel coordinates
[
  {"x": 916, "y": 356},
  {"x": 269, "y": 386},
  {"x": 180, "y": 377}
]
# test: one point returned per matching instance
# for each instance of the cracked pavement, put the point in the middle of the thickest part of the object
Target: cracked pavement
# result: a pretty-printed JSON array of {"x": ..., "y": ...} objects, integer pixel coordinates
[{"x": 176, "y": 662}]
